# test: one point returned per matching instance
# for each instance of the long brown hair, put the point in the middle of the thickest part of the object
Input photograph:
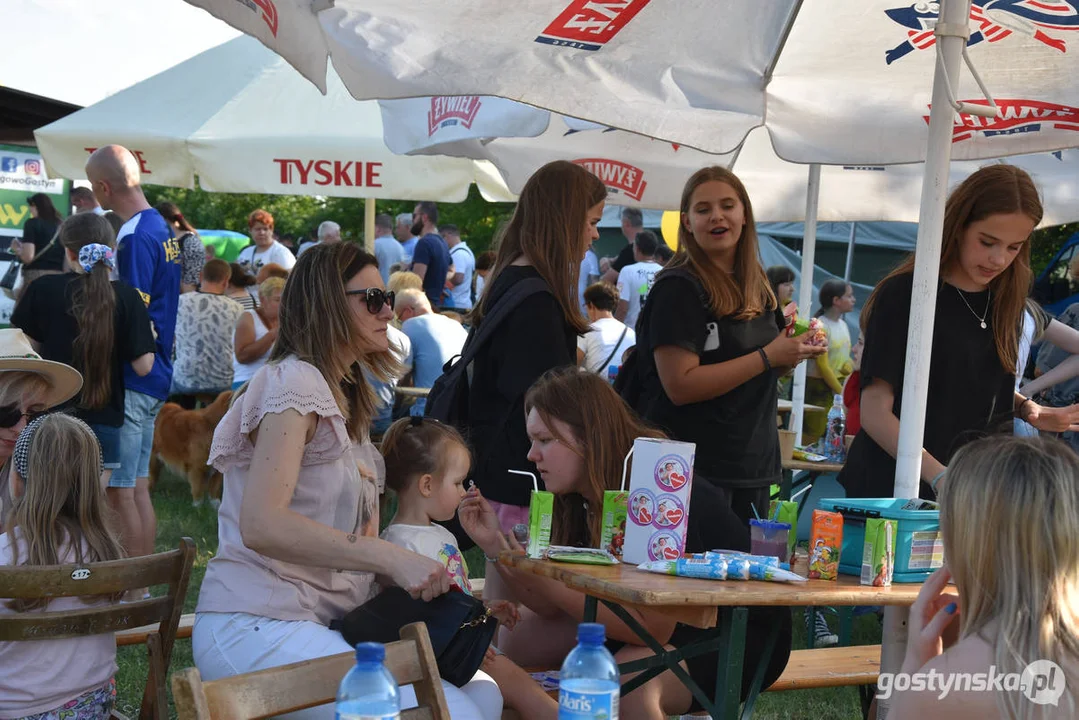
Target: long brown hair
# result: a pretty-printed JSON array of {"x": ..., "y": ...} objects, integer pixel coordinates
[
  {"x": 171, "y": 212},
  {"x": 547, "y": 226},
  {"x": 93, "y": 303},
  {"x": 316, "y": 325},
  {"x": 745, "y": 294},
  {"x": 586, "y": 402},
  {"x": 63, "y": 504},
  {"x": 992, "y": 190}
]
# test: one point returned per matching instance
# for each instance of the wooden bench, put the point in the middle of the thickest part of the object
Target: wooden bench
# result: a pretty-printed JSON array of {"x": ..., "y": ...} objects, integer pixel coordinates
[{"x": 830, "y": 667}]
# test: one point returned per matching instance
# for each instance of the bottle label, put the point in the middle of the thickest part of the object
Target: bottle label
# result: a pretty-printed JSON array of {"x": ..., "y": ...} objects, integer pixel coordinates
[
  {"x": 351, "y": 716},
  {"x": 591, "y": 705}
]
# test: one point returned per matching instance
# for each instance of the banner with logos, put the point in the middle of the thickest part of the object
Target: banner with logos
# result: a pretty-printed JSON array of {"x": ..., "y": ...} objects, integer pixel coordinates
[{"x": 22, "y": 174}]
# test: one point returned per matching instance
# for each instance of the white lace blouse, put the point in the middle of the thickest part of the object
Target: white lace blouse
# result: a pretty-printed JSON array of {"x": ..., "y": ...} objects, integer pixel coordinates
[{"x": 330, "y": 489}]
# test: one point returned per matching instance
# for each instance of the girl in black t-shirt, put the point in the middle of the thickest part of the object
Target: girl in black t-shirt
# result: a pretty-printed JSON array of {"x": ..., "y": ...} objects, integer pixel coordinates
[
  {"x": 580, "y": 432},
  {"x": 709, "y": 346},
  {"x": 984, "y": 278},
  {"x": 552, "y": 227}
]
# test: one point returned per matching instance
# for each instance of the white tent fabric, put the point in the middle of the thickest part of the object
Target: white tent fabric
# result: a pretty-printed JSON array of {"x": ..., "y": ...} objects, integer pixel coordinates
[
  {"x": 649, "y": 173},
  {"x": 837, "y": 81},
  {"x": 82, "y": 52},
  {"x": 244, "y": 121}
]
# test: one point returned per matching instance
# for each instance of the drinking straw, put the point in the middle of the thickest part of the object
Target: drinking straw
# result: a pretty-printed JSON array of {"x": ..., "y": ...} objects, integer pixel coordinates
[
  {"x": 775, "y": 517},
  {"x": 754, "y": 508}
]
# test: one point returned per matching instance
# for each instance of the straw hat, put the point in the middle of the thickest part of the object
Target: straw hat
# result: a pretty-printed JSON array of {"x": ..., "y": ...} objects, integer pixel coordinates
[{"x": 17, "y": 354}]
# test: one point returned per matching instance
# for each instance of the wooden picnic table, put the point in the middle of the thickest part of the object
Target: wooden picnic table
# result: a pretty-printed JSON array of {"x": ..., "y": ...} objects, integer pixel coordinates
[
  {"x": 785, "y": 406},
  {"x": 718, "y": 607}
]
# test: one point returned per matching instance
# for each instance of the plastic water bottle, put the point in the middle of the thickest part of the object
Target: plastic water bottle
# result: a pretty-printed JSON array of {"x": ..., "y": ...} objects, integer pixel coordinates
[
  {"x": 368, "y": 691},
  {"x": 835, "y": 448},
  {"x": 588, "y": 685}
]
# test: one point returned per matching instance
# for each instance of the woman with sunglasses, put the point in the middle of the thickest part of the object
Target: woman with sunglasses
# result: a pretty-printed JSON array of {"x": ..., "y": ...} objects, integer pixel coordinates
[
  {"x": 256, "y": 332},
  {"x": 298, "y": 542},
  {"x": 28, "y": 387}
]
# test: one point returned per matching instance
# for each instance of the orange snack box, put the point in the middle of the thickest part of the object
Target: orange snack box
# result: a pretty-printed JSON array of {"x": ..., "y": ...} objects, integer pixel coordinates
[{"x": 825, "y": 542}]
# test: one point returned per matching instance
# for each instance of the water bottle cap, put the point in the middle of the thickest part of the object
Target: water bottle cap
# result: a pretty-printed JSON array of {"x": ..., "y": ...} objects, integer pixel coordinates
[
  {"x": 369, "y": 652},
  {"x": 838, "y": 399},
  {"x": 591, "y": 633}
]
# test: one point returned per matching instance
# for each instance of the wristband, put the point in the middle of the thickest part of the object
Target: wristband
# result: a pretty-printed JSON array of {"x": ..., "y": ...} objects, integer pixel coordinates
[
  {"x": 934, "y": 481},
  {"x": 764, "y": 357},
  {"x": 490, "y": 559},
  {"x": 1019, "y": 410}
]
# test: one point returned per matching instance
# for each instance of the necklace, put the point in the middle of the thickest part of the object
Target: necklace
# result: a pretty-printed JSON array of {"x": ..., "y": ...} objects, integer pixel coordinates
[{"x": 988, "y": 301}]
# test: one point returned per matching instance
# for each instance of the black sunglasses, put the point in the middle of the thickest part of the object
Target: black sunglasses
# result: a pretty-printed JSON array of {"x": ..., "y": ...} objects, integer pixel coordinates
[
  {"x": 10, "y": 415},
  {"x": 375, "y": 297}
]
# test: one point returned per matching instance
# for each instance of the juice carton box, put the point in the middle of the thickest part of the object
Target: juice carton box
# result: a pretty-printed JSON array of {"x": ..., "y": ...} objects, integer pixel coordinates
[
  {"x": 540, "y": 517},
  {"x": 825, "y": 541},
  {"x": 788, "y": 513},
  {"x": 613, "y": 522},
  {"x": 657, "y": 506},
  {"x": 878, "y": 553}
]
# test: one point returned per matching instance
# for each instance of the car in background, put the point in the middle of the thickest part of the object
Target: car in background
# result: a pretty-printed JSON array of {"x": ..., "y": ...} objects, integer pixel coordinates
[{"x": 1055, "y": 288}]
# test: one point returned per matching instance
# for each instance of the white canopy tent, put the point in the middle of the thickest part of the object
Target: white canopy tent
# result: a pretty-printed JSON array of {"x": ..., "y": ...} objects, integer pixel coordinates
[{"x": 249, "y": 123}]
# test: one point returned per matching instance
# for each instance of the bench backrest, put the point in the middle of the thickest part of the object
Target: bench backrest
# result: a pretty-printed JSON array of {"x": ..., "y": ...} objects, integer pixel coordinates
[{"x": 288, "y": 688}]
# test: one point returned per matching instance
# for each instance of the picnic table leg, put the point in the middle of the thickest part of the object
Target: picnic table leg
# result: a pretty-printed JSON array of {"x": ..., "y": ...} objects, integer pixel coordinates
[
  {"x": 732, "y": 645},
  {"x": 758, "y": 676},
  {"x": 785, "y": 485},
  {"x": 591, "y": 608}
]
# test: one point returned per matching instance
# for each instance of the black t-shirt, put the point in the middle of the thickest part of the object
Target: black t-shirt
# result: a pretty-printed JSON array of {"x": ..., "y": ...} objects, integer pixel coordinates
[
  {"x": 625, "y": 257},
  {"x": 40, "y": 233},
  {"x": 533, "y": 339},
  {"x": 735, "y": 433},
  {"x": 44, "y": 313},
  {"x": 970, "y": 392}
]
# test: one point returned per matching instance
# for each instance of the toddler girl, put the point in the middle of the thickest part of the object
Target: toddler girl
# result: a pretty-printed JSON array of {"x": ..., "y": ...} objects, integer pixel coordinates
[
  {"x": 426, "y": 465},
  {"x": 59, "y": 516}
]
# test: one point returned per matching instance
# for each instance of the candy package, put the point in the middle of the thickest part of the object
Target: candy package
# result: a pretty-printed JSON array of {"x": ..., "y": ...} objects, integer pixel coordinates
[{"x": 812, "y": 328}]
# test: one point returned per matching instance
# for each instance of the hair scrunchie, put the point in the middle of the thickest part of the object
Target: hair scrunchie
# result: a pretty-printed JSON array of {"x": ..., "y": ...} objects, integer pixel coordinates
[{"x": 94, "y": 253}]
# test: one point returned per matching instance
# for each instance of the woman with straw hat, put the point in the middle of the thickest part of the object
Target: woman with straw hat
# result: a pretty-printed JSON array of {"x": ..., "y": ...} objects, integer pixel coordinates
[{"x": 28, "y": 386}]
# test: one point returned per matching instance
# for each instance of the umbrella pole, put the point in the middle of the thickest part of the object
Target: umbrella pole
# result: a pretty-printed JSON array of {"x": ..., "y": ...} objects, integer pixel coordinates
[
  {"x": 954, "y": 21},
  {"x": 850, "y": 252},
  {"x": 805, "y": 294},
  {"x": 369, "y": 225}
]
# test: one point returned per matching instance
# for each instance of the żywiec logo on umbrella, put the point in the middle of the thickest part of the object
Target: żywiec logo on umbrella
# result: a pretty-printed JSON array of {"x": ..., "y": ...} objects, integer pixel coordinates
[
  {"x": 617, "y": 176},
  {"x": 1014, "y": 117},
  {"x": 448, "y": 111},
  {"x": 994, "y": 20},
  {"x": 267, "y": 9},
  {"x": 590, "y": 24}
]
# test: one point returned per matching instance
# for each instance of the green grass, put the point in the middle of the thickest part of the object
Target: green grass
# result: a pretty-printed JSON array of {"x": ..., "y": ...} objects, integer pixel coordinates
[{"x": 176, "y": 518}]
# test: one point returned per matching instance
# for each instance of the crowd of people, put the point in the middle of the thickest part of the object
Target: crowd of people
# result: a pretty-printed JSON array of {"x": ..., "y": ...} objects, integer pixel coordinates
[{"x": 584, "y": 355}]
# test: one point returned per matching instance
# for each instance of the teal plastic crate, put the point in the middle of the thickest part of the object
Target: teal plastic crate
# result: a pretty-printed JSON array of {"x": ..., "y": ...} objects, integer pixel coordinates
[{"x": 919, "y": 550}]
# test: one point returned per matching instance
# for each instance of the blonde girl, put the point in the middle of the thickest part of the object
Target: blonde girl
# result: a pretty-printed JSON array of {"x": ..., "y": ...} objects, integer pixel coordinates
[
  {"x": 1009, "y": 510},
  {"x": 59, "y": 516}
]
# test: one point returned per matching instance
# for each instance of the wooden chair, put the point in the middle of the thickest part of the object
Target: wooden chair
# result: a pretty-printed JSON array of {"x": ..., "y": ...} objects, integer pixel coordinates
[
  {"x": 107, "y": 578},
  {"x": 301, "y": 685}
]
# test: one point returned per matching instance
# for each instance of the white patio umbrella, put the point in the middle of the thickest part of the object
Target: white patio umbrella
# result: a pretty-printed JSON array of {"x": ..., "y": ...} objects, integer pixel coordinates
[{"x": 242, "y": 120}]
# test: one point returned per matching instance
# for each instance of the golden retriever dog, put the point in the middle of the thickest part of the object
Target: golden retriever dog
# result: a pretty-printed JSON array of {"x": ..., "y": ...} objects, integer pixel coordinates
[{"x": 182, "y": 441}]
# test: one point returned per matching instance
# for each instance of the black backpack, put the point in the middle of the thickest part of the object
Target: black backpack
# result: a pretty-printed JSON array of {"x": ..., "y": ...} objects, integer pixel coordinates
[
  {"x": 448, "y": 399},
  {"x": 630, "y": 380}
]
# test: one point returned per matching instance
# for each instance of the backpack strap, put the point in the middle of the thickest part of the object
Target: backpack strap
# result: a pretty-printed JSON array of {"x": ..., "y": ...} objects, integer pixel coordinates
[
  {"x": 607, "y": 362},
  {"x": 503, "y": 306}
]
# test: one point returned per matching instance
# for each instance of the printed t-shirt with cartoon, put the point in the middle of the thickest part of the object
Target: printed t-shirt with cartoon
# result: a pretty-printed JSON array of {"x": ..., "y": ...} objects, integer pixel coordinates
[
  {"x": 252, "y": 259},
  {"x": 634, "y": 282},
  {"x": 735, "y": 433},
  {"x": 148, "y": 259},
  {"x": 971, "y": 394},
  {"x": 435, "y": 542}
]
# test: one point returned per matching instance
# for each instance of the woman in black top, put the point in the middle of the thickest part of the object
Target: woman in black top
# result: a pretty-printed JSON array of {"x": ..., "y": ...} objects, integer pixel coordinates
[
  {"x": 97, "y": 326},
  {"x": 984, "y": 278},
  {"x": 553, "y": 225},
  {"x": 580, "y": 432},
  {"x": 709, "y": 345},
  {"x": 37, "y": 252}
]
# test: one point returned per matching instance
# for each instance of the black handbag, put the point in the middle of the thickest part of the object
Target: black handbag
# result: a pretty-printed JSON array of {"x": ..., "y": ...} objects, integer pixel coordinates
[
  {"x": 11, "y": 275},
  {"x": 460, "y": 626}
]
